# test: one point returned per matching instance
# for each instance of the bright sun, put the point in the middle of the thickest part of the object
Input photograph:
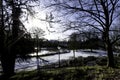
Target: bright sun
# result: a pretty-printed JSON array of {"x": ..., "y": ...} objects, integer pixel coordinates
[{"x": 37, "y": 21}]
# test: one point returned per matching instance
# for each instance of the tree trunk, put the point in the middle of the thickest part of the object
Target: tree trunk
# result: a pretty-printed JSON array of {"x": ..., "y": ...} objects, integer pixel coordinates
[
  {"x": 9, "y": 54},
  {"x": 8, "y": 62},
  {"x": 110, "y": 56}
]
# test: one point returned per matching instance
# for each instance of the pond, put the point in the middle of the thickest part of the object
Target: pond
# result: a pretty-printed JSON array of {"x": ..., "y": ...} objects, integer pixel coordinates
[{"x": 31, "y": 64}]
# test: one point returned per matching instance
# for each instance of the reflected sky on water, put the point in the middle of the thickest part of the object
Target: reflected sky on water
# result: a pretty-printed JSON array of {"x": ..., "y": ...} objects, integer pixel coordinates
[{"x": 31, "y": 64}]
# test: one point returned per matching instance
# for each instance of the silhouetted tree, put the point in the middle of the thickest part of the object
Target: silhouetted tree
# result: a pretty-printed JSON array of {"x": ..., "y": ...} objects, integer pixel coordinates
[
  {"x": 74, "y": 41},
  {"x": 11, "y": 31},
  {"x": 98, "y": 14},
  {"x": 37, "y": 33}
]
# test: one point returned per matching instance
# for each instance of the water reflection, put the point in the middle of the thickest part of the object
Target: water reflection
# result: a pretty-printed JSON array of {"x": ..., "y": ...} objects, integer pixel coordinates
[{"x": 31, "y": 64}]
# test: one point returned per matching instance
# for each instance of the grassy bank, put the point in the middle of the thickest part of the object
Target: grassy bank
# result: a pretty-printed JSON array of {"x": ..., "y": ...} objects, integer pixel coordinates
[
  {"x": 71, "y": 73},
  {"x": 89, "y": 68}
]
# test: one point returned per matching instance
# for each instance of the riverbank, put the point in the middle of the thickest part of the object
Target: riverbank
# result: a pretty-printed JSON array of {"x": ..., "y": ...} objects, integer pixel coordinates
[
  {"x": 31, "y": 63},
  {"x": 74, "y": 68},
  {"x": 81, "y": 68},
  {"x": 82, "y": 61},
  {"x": 71, "y": 73}
]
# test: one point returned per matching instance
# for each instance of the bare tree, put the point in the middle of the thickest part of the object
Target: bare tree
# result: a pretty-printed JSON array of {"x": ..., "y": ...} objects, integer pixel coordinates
[
  {"x": 98, "y": 14},
  {"x": 37, "y": 33},
  {"x": 10, "y": 33}
]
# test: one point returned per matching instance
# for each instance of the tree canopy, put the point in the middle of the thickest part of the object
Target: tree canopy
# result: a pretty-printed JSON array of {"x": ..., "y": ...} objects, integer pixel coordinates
[{"x": 87, "y": 14}]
